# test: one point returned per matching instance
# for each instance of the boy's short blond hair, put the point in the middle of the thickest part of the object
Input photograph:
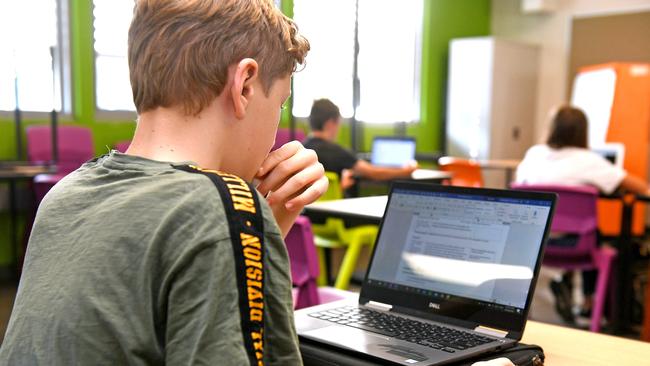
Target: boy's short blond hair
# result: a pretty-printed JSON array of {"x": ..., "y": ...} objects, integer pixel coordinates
[{"x": 180, "y": 50}]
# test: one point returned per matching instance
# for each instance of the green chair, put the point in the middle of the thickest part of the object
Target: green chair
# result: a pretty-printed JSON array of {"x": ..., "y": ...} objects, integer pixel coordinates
[{"x": 333, "y": 234}]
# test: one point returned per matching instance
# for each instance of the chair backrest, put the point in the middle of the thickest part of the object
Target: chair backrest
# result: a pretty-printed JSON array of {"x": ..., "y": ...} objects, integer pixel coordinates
[
  {"x": 575, "y": 213},
  {"x": 283, "y": 135},
  {"x": 75, "y": 146},
  {"x": 465, "y": 173},
  {"x": 334, "y": 191},
  {"x": 122, "y": 146},
  {"x": 304, "y": 262}
]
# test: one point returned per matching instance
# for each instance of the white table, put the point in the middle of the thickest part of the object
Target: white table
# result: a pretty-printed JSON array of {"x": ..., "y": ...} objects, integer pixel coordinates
[
  {"x": 366, "y": 208},
  {"x": 430, "y": 174}
]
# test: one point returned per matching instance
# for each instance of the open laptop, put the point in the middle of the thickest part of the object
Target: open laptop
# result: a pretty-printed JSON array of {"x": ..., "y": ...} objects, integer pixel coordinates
[
  {"x": 392, "y": 151},
  {"x": 451, "y": 276},
  {"x": 612, "y": 151}
]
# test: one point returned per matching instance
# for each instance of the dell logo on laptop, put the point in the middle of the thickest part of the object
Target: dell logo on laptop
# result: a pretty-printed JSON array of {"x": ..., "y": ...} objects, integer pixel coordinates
[{"x": 433, "y": 305}]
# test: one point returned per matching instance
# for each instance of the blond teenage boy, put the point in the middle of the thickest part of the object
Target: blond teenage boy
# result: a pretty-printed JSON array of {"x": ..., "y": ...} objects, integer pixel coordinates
[{"x": 130, "y": 260}]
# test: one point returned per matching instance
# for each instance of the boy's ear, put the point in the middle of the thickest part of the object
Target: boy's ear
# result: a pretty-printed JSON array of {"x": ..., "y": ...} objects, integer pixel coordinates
[{"x": 242, "y": 90}]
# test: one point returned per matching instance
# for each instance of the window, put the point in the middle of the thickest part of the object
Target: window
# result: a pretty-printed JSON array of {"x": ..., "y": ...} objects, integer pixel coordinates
[
  {"x": 329, "y": 72},
  {"x": 388, "y": 60},
  {"x": 111, "y": 25},
  {"x": 32, "y": 52}
]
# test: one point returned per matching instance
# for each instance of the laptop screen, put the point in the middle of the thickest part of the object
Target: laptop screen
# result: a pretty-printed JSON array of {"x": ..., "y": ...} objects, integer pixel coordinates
[
  {"x": 613, "y": 152},
  {"x": 392, "y": 151},
  {"x": 458, "y": 251}
]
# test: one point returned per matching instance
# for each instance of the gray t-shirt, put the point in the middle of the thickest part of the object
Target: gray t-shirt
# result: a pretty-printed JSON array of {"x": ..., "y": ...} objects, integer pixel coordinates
[{"x": 130, "y": 262}]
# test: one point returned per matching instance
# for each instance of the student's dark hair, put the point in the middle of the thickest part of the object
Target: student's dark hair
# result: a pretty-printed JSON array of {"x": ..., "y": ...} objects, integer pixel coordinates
[
  {"x": 322, "y": 111},
  {"x": 568, "y": 129}
]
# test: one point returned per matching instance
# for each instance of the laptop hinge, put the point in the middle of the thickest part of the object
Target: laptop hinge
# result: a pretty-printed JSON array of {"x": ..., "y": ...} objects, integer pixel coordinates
[
  {"x": 491, "y": 331},
  {"x": 378, "y": 306}
]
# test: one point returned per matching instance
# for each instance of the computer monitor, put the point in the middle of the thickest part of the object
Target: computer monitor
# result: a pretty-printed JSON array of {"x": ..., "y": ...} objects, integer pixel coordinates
[
  {"x": 392, "y": 151},
  {"x": 612, "y": 151}
]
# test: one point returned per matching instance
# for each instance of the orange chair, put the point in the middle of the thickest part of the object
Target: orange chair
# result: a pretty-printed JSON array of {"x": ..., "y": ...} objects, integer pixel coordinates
[{"x": 465, "y": 173}]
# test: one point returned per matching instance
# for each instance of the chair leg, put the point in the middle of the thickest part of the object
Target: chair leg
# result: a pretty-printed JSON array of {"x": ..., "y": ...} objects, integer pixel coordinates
[
  {"x": 348, "y": 265},
  {"x": 645, "y": 331},
  {"x": 351, "y": 257},
  {"x": 323, "y": 279},
  {"x": 603, "y": 263}
]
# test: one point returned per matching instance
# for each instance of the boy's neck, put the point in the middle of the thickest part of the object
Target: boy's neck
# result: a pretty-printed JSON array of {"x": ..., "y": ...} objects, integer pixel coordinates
[
  {"x": 167, "y": 134},
  {"x": 325, "y": 135}
]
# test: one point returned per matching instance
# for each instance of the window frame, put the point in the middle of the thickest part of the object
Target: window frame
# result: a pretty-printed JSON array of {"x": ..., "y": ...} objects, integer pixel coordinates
[{"x": 105, "y": 114}]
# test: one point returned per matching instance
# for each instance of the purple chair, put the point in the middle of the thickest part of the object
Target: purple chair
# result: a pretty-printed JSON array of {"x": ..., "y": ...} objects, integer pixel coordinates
[
  {"x": 305, "y": 269},
  {"x": 575, "y": 213},
  {"x": 284, "y": 135},
  {"x": 75, "y": 147},
  {"x": 121, "y": 146}
]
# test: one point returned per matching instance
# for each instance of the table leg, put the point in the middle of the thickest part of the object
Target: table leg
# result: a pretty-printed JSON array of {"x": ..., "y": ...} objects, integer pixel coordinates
[{"x": 624, "y": 274}]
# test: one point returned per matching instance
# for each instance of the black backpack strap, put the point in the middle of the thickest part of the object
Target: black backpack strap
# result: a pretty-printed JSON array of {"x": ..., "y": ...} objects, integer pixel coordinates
[{"x": 246, "y": 225}]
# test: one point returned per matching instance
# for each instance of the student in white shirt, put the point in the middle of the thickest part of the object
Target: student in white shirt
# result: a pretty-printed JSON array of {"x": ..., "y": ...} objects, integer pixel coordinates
[{"x": 565, "y": 159}]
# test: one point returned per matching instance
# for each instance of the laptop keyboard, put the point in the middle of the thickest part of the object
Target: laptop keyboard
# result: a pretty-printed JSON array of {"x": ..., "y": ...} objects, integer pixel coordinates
[{"x": 435, "y": 336}]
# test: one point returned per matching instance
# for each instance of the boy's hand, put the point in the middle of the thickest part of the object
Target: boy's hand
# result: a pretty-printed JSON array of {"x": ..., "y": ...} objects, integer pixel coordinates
[
  {"x": 410, "y": 167},
  {"x": 290, "y": 178},
  {"x": 347, "y": 179}
]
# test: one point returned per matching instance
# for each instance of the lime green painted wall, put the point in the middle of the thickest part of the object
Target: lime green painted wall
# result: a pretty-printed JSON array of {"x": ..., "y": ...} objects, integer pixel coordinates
[{"x": 444, "y": 20}]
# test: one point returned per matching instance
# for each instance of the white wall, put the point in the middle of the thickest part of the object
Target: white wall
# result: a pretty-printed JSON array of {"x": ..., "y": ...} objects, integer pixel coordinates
[{"x": 552, "y": 32}]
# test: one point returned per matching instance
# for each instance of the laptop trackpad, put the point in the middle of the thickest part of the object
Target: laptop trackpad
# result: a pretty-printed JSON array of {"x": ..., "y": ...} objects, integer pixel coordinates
[{"x": 366, "y": 342}]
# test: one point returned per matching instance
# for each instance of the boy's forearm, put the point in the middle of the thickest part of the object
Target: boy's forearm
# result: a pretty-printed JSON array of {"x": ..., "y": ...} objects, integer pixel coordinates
[{"x": 284, "y": 218}]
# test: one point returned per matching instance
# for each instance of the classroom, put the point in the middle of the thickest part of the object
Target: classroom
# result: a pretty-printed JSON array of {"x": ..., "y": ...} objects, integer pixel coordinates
[{"x": 325, "y": 182}]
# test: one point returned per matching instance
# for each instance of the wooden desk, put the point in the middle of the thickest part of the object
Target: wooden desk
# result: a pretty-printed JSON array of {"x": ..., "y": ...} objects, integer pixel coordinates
[
  {"x": 567, "y": 346},
  {"x": 499, "y": 163},
  {"x": 24, "y": 171},
  {"x": 508, "y": 165}
]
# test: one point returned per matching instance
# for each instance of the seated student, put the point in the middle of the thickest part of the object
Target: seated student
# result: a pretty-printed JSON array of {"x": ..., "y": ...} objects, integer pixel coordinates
[
  {"x": 131, "y": 260},
  {"x": 324, "y": 121},
  {"x": 565, "y": 159}
]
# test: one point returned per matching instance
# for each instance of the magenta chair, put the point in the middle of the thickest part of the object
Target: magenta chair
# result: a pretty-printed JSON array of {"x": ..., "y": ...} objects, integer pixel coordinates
[
  {"x": 576, "y": 214},
  {"x": 122, "y": 146},
  {"x": 305, "y": 268},
  {"x": 75, "y": 147},
  {"x": 284, "y": 135}
]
